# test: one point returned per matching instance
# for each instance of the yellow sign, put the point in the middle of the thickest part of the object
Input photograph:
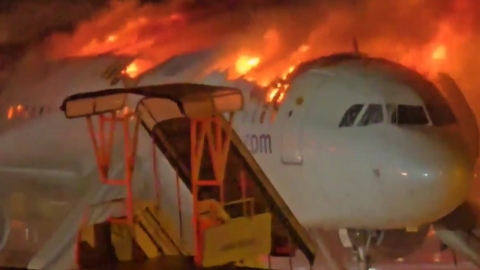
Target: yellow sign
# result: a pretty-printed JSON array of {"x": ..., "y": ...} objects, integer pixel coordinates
[{"x": 237, "y": 239}]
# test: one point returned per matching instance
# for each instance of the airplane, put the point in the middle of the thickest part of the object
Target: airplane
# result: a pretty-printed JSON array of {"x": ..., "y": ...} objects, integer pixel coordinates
[{"x": 358, "y": 145}]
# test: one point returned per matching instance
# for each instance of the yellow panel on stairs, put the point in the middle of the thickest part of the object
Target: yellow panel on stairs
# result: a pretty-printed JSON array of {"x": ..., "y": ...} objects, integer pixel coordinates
[{"x": 121, "y": 237}]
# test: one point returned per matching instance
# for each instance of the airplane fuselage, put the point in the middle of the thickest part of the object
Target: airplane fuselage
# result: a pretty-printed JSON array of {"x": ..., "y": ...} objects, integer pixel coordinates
[{"x": 366, "y": 174}]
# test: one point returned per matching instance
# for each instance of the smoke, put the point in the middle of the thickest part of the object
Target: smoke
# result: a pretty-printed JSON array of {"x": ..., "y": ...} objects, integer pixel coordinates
[
  {"x": 279, "y": 33},
  {"x": 29, "y": 20}
]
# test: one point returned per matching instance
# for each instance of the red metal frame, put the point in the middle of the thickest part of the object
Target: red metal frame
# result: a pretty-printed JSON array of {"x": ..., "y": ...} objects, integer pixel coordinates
[
  {"x": 214, "y": 130},
  {"x": 103, "y": 138},
  {"x": 103, "y": 145},
  {"x": 219, "y": 145}
]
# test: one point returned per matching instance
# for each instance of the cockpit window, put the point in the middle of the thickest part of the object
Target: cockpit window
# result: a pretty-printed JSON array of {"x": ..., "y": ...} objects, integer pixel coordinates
[
  {"x": 350, "y": 115},
  {"x": 437, "y": 106},
  {"x": 372, "y": 115},
  {"x": 402, "y": 114}
]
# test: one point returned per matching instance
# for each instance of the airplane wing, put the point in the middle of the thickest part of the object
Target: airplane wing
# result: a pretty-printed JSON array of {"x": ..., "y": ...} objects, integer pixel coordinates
[
  {"x": 456, "y": 232},
  {"x": 461, "y": 242}
]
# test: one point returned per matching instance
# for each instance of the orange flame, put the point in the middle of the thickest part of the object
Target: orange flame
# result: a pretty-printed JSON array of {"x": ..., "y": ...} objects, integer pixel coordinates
[
  {"x": 258, "y": 54},
  {"x": 112, "y": 38},
  {"x": 439, "y": 53},
  {"x": 136, "y": 68},
  {"x": 131, "y": 70},
  {"x": 246, "y": 63}
]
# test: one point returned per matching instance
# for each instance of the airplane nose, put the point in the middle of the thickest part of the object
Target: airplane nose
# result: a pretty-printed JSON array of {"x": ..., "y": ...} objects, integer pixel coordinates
[{"x": 440, "y": 168}]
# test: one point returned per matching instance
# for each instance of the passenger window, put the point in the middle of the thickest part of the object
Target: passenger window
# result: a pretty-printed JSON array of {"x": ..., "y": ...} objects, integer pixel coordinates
[
  {"x": 372, "y": 115},
  {"x": 411, "y": 115},
  {"x": 350, "y": 115}
]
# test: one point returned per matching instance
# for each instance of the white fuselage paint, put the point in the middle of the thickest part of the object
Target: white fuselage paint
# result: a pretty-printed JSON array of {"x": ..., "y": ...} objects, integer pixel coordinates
[{"x": 380, "y": 176}]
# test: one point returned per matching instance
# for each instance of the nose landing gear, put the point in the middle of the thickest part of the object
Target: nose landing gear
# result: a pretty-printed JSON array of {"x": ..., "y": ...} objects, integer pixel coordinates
[
  {"x": 362, "y": 240},
  {"x": 363, "y": 260}
]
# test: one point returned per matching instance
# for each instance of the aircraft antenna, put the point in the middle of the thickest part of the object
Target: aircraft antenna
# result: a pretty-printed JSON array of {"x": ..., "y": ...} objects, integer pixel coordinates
[{"x": 356, "y": 50}]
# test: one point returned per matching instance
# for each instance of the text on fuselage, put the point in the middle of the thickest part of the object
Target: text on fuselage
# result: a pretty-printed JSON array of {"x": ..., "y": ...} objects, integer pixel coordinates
[{"x": 258, "y": 143}]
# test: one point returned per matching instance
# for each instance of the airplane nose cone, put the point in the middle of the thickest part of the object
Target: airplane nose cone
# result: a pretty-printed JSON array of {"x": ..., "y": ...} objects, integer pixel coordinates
[{"x": 441, "y": 170}]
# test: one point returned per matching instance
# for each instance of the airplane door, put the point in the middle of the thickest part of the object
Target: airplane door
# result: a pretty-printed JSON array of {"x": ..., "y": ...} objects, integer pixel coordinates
[{"x": 293, "y": 117}]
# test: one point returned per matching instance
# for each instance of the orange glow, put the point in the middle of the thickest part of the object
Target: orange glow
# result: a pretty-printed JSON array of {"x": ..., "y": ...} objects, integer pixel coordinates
[
  {"x": 303, "y": 48},
  {"x": 291, "y": 69},
  {"x": 440, "y": 53},
  {"x": 112, "y": 38},
  {"x": 437, "y": 62},
  {"x": 277, "y": 91},
  {"x": 10, "y": 113},
  {"x": 267, "y": 51},
  {"x": 125, "y": 112},
  {"x": 17, "y": 224},
  {"x": 136, "y": 68},
  {"x": 246, "y": 63},
  {"x": 272, "y": 94},
  {"x": 132, "y": 70}
]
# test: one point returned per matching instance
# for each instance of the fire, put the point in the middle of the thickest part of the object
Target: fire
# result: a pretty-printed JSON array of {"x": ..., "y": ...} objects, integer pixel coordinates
[
  {"x": 438, "y": 58},
  {"x": 136, "y": 68},
  {"x": 112, "y": 38},
  {"x": 131, "y": 70},
  {"x": 266, "y": 50},
  {"x": 246, "y": 63},
  {"x": 10, "y": 113},
  {"x": 276, "y": 95},
  {"x": 439, "y": 53}
]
